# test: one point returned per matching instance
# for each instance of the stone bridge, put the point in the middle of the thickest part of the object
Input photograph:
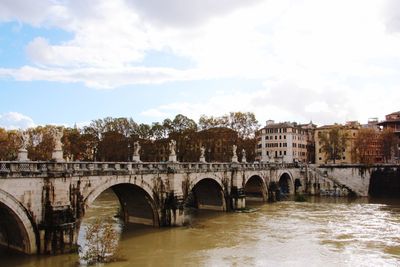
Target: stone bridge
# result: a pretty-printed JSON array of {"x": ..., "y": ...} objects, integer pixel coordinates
[{"x": 43, "y": 203}]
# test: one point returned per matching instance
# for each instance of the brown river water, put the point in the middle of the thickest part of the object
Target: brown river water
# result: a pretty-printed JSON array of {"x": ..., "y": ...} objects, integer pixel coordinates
[{"x": 320, "y": 232}]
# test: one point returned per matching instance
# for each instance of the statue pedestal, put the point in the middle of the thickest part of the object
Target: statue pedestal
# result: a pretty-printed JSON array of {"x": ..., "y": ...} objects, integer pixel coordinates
[
  {"x": 22, "y": 155},
  {"x": 244, "y": 160},
  {"x": 172, "y": 158},
  {"x": 203, "y": 159},
  {"x": 136, "y": 158},
  {"x": 57, "y": 156},
  {"x": 235, "y": 159}
]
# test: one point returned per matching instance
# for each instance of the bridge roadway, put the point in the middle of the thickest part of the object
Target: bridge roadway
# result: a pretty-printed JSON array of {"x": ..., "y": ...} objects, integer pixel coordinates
[{"x": 43, "y": 203}]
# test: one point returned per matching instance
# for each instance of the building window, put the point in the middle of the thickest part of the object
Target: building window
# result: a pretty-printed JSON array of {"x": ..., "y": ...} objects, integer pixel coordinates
[
  {"x": 276, "y": 137},
  {"x": 284, "y": 153},
  {"x": 284, "y": 137},
  {"x": 320, "y": 158}
]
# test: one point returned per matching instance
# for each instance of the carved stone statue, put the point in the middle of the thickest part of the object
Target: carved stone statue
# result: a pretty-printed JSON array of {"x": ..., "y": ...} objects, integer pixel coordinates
[
  {"x": 244, "y": 160},
  {"x": 172, "y": 148},
  {"x": 172, "y": 151},
  {"x": 23, "y": 152},
  {"x": 24, "y": 137},
  {"x": 234, "y": 157},
  {"x": 234, "y": 148},
  {"x": 136, "y": 150},
  {"x": 202, "y": 154},
  {"x": 57, "y": 135},
  {"x": 57, "y": 154},
  {"x": 202, "y": 151}
]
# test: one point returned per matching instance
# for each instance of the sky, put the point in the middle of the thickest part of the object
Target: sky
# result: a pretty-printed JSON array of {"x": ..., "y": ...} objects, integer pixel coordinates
[{"x": 69, "y": 62}]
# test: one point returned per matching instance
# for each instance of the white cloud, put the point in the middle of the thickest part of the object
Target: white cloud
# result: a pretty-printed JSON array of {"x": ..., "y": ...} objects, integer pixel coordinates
[
  {"x": 20, "y": 10},
  {"x": 325, "y": 107},
  {"x": 320, "y": 60},
  {"x": 15, "y": 120},
  {"x": 103, "y": 78},
  {"x": 183, "y": 13},
  {"x": 302, "y": 42},
  {"x": 391, "y": 13},
  {"x": 155, "y": 113}
]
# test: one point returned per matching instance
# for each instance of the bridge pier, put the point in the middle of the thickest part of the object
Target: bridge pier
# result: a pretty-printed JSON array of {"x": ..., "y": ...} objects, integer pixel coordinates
[{"x": 238, "y": 198}]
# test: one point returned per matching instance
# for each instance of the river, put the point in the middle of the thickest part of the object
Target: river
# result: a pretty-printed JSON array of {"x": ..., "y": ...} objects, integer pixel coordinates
[{"x": 319, "y": 232}]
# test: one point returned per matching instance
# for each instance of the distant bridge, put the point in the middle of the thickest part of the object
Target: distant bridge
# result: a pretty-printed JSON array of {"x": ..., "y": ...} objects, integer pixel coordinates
[{"x": 42, "y": 204}]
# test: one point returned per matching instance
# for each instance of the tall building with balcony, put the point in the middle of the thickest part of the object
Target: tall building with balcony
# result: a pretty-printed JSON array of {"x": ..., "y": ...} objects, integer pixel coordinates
[
  {"x": 282, "y": 142},
  {"x": 392, "y": 123}
]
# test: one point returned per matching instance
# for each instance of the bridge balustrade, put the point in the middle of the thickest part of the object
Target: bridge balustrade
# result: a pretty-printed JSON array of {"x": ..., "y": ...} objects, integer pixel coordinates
[{"x": 42, "y": 168}]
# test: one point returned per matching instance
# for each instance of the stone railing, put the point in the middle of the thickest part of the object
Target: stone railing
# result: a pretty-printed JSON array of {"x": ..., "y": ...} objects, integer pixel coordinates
[{"x": 67, "y": 169}]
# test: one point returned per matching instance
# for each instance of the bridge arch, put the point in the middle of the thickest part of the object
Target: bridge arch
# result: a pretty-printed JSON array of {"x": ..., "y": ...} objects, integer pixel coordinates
[
  {"x": 14, "y": 219},
  {"x": 137, "y": 204},
  {"x": 207, "y": 194},
  {"x": 255, "y": 188},
  {"x": 285, "y": 183}
]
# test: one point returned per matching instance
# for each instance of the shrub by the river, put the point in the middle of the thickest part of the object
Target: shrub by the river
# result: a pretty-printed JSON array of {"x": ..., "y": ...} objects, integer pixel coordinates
[
  {"x": 101, "y": 243},
  {"x": 300, "y": 198}
]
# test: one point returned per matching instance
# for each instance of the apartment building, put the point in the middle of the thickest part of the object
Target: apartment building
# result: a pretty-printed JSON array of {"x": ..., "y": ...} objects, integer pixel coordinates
[
  {"x": 348, "y": 132},
  {"x": 282, "y": 142}
]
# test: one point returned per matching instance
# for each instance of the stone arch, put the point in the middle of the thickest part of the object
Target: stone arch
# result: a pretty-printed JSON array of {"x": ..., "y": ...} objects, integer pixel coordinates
[
  {"x": 207, "y": 194},
  {"x": 24, "y": 233},
  {"x": 285, "y": 183},
  {"x": 137, "y": 203},
  {"x": 255, "y": 188}
]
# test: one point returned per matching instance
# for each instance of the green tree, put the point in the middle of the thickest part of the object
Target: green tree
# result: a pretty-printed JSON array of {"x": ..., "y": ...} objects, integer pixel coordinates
[
  {"x": 9, "y": 144},
  {"x": 363, "y": 145},
  {"x": 101, "y": 243},
  {"x": 72, "y": 146},
  {"x": 158, "y": 131},
  {"x": 3, "y": 144},
  {"x": 41, "y": 142},
  {"x": 244, "y": 123},
  {"x": 113, "y": 147},
  {"x": 333, "y": 143},
  {"x": 389, "y": 143}
]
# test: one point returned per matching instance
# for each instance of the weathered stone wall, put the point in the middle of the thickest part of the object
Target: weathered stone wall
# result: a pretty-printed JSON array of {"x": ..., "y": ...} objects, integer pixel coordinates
[{"x": 354, "y": 178}]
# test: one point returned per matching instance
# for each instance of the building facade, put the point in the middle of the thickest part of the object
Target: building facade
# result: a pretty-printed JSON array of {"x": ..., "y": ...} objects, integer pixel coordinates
[
  {"x": 392, "y": 123},
  {"x": 348, "y": 132},
  {"x": 282, "y": 142}
]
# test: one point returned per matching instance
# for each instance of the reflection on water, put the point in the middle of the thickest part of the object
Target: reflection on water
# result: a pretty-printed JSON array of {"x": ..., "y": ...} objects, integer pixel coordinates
[{"x": 321, "y": 232}]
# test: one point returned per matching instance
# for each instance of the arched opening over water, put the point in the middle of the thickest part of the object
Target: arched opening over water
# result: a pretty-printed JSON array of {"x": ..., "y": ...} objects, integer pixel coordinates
[
  {"x": 16, "y": 230},
  {"x": 255, "y": 189},
  {"x": 126, "y": 207},
  {"x": 135, "y": 204},
  {"x": 285, "y": 184},
  {"x": 207, "y": 194}
]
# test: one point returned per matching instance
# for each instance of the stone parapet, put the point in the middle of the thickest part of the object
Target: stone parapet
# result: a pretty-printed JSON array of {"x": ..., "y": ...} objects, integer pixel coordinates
[{"x": 36, "y": 169}]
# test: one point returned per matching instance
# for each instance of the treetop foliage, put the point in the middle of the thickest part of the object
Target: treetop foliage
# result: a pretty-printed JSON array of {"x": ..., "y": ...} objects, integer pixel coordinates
[{"x": 111, "y": 139}]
